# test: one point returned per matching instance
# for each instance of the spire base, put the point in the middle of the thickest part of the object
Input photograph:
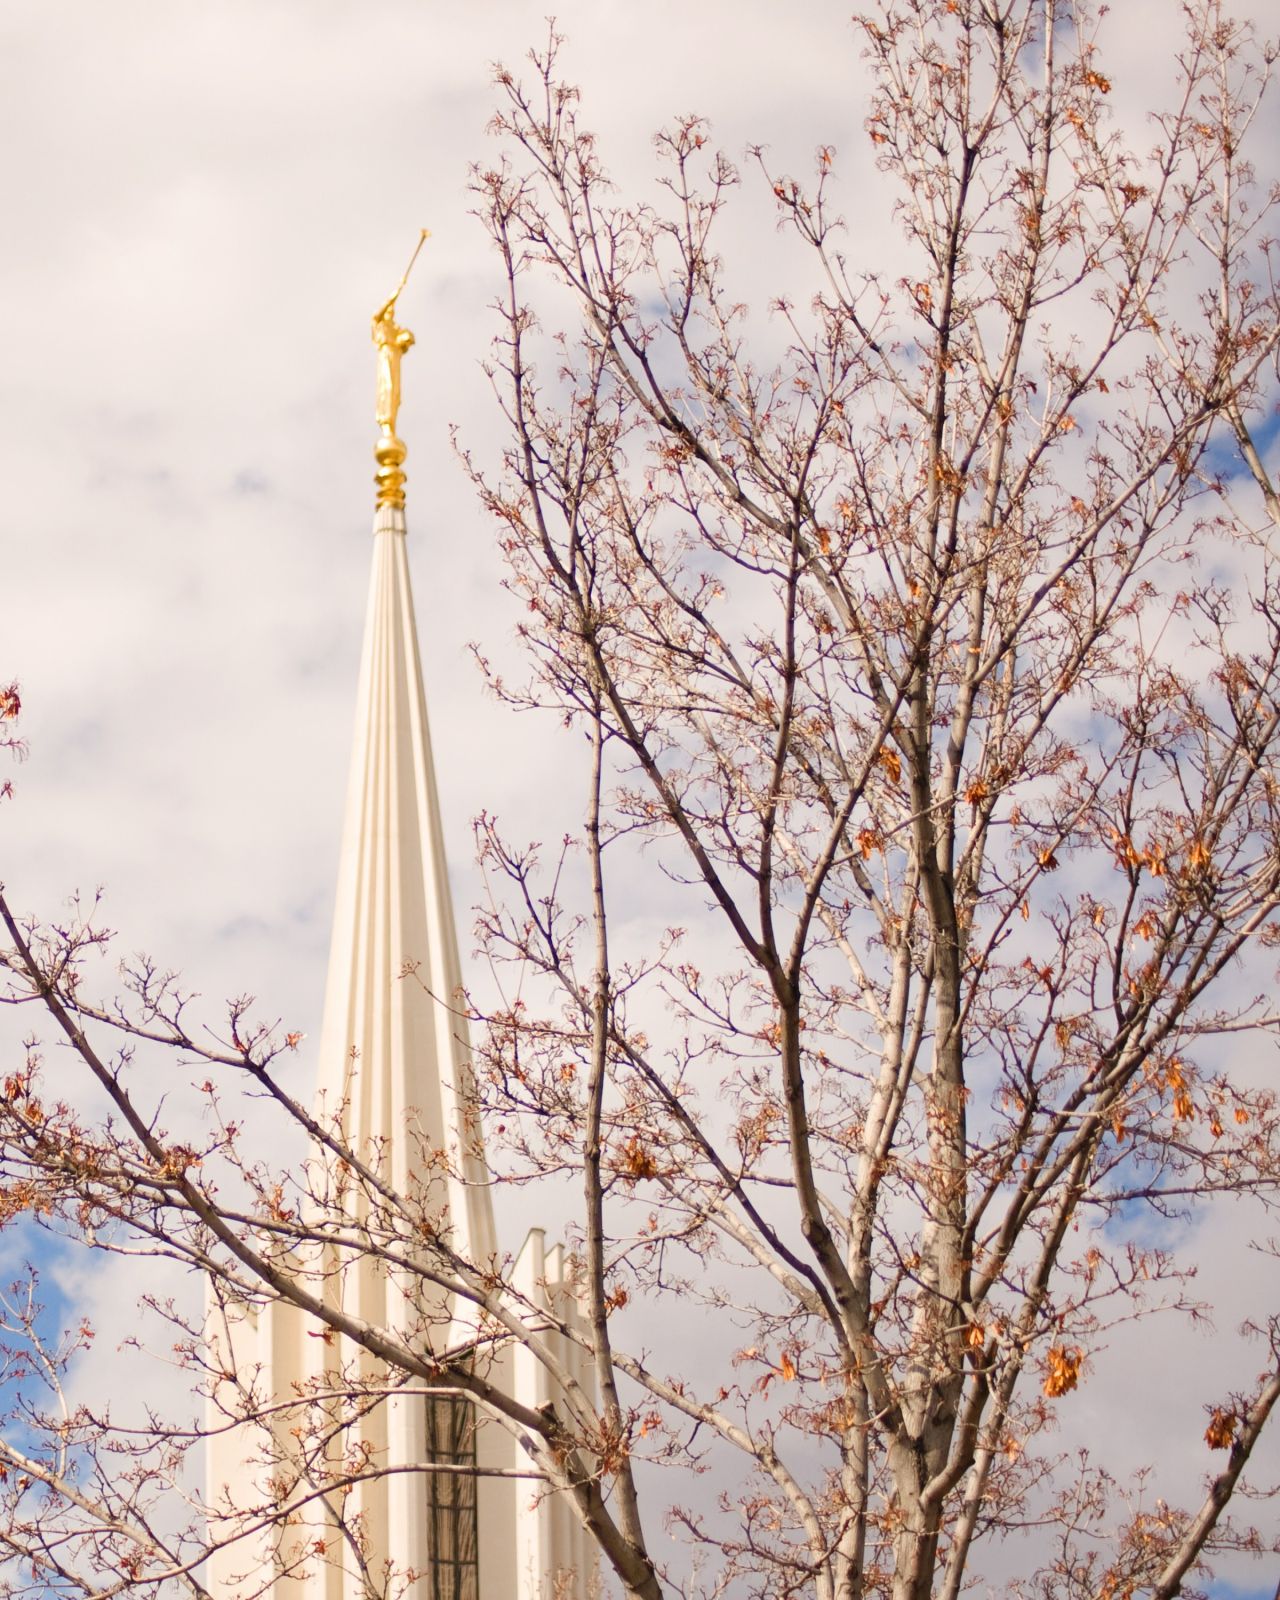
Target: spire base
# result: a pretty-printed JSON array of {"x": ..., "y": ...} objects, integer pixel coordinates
[{"x": 389, "y": 453}]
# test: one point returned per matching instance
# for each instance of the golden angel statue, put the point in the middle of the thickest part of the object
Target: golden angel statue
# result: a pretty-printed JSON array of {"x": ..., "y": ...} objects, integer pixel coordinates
[{"x": 392, "y": 341}]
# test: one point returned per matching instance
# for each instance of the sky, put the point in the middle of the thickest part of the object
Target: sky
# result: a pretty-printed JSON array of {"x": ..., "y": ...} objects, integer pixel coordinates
[
  {"x": 208, "y": 204},
  {"x": 203, "y": 205}
]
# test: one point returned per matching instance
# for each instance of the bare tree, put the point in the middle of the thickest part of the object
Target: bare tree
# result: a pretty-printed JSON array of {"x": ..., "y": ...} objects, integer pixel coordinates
[{"x": 931, "y": 664}]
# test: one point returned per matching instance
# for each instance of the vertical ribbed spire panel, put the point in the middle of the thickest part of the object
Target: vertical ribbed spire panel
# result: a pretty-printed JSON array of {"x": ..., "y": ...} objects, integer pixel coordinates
[{"x": 393, "y": 1050}]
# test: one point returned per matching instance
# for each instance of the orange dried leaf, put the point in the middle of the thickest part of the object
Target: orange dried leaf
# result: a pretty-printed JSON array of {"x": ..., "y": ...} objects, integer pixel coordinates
[
  {"x": 636, "y": 1160},
  {"x": 648, "y": 1423},
  {"x": 1127, "y": 853},
  {"x": 1063, "y": 1370},
  {"x": 1221, "y": 1432}
]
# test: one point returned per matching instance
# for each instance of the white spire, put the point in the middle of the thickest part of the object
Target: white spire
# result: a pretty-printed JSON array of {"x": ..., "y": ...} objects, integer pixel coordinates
[{"x": 393, "y": 1048}]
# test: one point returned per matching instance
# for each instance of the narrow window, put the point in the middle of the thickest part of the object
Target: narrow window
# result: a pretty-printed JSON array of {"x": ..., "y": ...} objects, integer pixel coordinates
[{"x": 451, "y": 1499}]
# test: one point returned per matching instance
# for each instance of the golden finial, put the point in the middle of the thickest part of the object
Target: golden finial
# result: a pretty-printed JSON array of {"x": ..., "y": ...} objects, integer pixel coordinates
[{"x": 391, "y": 342}]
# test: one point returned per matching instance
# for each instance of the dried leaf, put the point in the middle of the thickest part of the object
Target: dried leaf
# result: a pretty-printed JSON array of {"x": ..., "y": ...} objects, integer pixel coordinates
[
  {"x": 1063, "y": 1370},
  {"x": 1221, "y": 1432},
  {"x": 637, "y": 1161},
  {"x": 1198, "y": 856}
]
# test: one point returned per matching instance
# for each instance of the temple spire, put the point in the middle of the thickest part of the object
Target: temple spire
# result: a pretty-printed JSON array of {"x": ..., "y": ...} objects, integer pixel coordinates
[
  {"x": 395, "y": 1084},
  {"x": 393, "y": 1050}
]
